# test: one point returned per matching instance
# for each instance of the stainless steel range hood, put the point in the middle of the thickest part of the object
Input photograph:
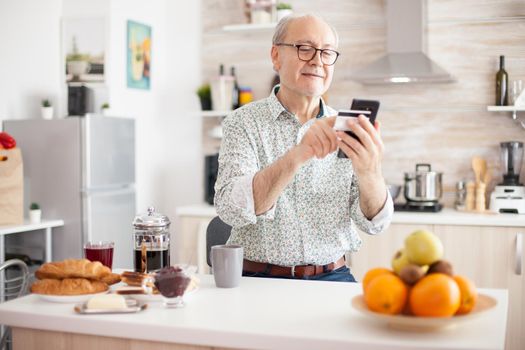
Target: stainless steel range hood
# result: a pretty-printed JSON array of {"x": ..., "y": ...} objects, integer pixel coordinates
[{"x": 406, "y": 60}]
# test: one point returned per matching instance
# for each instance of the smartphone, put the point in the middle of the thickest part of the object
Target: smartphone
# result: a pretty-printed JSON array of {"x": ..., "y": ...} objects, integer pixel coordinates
[{"x": 359, "y": 105}]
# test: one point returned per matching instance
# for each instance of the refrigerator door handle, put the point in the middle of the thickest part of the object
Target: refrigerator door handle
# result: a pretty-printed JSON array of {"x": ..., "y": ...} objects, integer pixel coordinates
[
  {"x": 519, "y": 254},
  {"x": 107, "y": 191}
]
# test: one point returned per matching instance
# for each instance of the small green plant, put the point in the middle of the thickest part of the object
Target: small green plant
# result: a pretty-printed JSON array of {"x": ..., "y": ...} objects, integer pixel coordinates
[
  {"x": 284, "y": 6},
  {"x": 46, "y": 103},
  {"x": 104, "y": 105},
  {"x": 204, "y": 91},
  {"x": 34, "y": 206},
  {"x": 75, "y": 55}
]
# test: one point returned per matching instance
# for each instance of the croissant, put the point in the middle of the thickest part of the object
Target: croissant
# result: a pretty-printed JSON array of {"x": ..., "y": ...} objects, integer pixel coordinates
[
  {"x": 111, "y": 279},
  {"x": 68, "y": 286},
  {"x": 73, "y": 268}
]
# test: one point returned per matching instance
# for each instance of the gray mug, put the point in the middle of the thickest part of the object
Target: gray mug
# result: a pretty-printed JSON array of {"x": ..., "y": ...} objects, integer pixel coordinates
[{"x": 226, "y": 264}]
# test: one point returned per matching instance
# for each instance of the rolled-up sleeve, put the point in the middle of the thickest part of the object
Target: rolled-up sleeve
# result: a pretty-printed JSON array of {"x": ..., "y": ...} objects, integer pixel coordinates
[
  {"x": 238, "y": 165},
  {"x": 379, "y": 222}
]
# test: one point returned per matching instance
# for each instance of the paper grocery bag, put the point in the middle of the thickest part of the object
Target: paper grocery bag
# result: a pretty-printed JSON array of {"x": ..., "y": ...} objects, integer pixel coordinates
[{"x": 11, "y": 187}]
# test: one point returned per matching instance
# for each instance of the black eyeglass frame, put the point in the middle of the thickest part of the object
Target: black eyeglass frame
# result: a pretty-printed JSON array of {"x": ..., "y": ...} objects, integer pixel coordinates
[{"x": 298, "y": 47}]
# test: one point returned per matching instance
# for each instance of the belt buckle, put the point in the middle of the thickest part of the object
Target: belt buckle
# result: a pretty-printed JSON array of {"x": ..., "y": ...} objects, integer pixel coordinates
[{"x": 292, "y": 270}]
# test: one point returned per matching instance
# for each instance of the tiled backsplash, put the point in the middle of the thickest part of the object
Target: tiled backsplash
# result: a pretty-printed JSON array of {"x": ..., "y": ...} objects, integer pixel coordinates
[{"x": 441, "y": 124}]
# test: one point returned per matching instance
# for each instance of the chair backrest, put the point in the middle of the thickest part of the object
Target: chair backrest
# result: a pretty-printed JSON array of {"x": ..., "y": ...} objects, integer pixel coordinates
[
  {"x": 14, "y": 276},
  {"x": 217, "y": 233}
]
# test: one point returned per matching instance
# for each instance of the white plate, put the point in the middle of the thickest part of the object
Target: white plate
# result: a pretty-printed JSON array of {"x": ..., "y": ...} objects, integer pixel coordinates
[
  {"x": 68, "y": 298},
  {"x": 413, "y": 323}
]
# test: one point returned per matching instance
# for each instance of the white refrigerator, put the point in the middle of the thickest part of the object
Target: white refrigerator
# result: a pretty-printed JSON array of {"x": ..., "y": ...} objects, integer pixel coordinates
[{"x": 81, "y": 170}]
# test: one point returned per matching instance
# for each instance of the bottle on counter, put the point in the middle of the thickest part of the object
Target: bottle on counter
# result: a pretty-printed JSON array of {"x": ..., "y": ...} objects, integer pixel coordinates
[
  {"x": 461, "y": 194},
  {"x": 470, "y": 199},
  {"x": 236, "y": 90},
  {"x": 502, "y": 84}
]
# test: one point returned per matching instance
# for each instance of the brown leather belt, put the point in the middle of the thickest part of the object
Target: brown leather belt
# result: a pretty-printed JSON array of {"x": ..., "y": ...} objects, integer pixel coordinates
[{"x": 298, "y": 271}]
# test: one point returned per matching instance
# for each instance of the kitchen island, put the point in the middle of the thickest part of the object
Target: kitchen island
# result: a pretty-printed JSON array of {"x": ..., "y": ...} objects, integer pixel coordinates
[{"x": 261, "y": 313}]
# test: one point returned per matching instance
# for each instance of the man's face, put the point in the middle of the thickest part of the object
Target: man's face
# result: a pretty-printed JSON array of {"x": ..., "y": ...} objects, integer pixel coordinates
[{"x": 310, "y": 78}]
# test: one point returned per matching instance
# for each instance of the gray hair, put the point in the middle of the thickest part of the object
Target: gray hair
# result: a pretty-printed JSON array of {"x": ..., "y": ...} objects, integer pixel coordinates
[{"x": 282, "y": 27}]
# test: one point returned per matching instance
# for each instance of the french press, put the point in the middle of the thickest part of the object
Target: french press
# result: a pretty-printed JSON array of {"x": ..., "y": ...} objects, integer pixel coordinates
[{"x": 151, "y": 241}]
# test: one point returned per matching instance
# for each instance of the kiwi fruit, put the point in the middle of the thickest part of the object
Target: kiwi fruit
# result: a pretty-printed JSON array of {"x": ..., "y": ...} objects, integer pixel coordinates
[
  {"x": 411, "y": 273},
  {"x": 441, "y": 266}
]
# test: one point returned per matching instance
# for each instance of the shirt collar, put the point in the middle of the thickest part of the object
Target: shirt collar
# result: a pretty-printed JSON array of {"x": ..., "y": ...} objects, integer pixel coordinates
[{"x": 276, "y": 108}]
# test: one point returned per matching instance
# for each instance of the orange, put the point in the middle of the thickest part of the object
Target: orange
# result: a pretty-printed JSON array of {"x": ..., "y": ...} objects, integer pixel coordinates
[
  {"x": 469, "y": 294},
  {"x": 373, "y": 273},
  {"x": 435, "y": 295},
  {"x": 386, "y": 294}
]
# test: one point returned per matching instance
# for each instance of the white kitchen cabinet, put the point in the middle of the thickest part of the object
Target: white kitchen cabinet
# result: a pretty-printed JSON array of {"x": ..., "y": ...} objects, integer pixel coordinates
[
  {"x": 489, "y": 255},
  {"x": 378, "y": 250}
]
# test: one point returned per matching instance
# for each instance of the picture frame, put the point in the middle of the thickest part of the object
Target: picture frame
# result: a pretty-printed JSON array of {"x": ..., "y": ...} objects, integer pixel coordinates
[{"x": 138, "y": 71}]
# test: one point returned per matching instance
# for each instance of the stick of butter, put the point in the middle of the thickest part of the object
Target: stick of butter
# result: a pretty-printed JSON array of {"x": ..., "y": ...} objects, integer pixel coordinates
[{"x": 107, "y": 301}]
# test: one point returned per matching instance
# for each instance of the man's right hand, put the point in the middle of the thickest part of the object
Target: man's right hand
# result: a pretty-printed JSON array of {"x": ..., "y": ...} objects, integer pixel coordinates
[{"x": 319, "y": 141}]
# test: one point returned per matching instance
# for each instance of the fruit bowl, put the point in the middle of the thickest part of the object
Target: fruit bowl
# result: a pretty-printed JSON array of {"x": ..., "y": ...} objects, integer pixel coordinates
[{"x": 413, "y": 323}]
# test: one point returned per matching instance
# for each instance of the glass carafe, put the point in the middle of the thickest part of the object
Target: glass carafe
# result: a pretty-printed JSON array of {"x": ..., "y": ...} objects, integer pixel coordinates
[
  {"x": 151, "y": 241},
  {"x": 511, "y": 158}
]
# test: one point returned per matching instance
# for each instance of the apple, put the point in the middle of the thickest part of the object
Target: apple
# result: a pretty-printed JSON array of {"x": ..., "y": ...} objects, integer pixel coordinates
[
  {"x": 423, "y": 247},
  {"x": 399, "y": 261}
]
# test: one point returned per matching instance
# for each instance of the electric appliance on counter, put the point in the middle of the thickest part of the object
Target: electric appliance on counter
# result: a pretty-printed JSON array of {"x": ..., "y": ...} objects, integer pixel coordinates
[
  {"x": 422, "y": 190},
  {"x": 83, "y": 98},
  {"x": 81, "y": 170},
  {"x": 509, "y": 196}
]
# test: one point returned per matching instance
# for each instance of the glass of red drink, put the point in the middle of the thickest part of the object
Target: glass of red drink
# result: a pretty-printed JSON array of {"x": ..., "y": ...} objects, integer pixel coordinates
[{"x": 100, "y": 251}]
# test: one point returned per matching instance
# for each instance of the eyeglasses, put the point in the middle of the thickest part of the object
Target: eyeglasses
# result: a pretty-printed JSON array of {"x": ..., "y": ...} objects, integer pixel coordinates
[{"x": 307, "y": 53}]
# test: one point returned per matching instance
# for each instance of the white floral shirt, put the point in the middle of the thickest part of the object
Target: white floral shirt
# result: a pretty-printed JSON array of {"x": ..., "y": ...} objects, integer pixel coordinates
[{"x": 313, "y": 219}]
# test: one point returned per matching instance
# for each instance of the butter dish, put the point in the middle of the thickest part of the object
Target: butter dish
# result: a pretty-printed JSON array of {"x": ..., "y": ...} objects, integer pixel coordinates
[{"x": 132, "y": 306}]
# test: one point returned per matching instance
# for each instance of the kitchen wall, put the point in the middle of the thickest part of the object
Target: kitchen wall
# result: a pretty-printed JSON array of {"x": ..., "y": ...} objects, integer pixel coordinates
[
  {"x": 169, "y": 162},
  {"x": 29, "y": 66},
  {"x": 442, "y": 124}
]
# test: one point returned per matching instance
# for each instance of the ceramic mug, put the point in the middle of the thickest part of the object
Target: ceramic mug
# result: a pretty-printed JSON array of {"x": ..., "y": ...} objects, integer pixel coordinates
[{"x": 226, "y": 263}]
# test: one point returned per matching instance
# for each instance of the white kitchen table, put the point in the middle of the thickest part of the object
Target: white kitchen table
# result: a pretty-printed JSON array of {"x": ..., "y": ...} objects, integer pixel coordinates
[
  {"x": 46, "y": 225},
  {"x": 260, "y": 314}
]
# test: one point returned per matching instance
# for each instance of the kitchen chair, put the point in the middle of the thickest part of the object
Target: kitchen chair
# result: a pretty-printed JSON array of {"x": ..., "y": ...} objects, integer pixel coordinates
[
  {"x": 14, "y": 276},
  {"x": 217, "y": 233}
]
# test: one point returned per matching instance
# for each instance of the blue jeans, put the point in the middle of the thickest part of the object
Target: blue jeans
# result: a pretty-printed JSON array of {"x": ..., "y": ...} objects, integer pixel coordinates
[{"x": 341, "y": 274}]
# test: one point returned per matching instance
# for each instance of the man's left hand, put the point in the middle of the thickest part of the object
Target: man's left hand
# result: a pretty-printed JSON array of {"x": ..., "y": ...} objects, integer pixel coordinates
[
  {"x": 367, "y": 152},
  {"x": 366, "y": 155}
]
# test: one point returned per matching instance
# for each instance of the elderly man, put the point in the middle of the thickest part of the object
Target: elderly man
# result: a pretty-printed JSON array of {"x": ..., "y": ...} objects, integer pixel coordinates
[{"x": 292, "y": 203}]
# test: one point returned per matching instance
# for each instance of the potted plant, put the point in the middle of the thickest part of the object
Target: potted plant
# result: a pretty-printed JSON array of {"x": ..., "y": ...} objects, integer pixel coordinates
[
  {"x": 105, "y": 109},
  {"x": 204, "y": 93},
  {"x": 283, "y": 10},
  {"x": 35, "y": 213},
  {"x": 47, "y": 109},
  {"x": 76, "y": 62}
]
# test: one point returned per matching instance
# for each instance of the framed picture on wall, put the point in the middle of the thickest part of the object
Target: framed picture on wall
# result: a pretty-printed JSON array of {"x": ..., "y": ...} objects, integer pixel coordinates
[
  {"x": 139, "y": 55},
  {"x": 83, "y": 48}
]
